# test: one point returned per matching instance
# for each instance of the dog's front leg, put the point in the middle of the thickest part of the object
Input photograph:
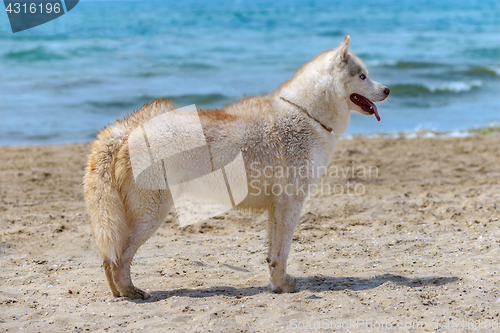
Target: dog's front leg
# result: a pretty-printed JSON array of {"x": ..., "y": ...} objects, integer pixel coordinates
[{"x": 282, "y": 224}]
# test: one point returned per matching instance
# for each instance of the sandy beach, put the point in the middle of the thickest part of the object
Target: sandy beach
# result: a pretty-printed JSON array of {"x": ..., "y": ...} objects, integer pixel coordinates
[{"x": 411, "y": 243}]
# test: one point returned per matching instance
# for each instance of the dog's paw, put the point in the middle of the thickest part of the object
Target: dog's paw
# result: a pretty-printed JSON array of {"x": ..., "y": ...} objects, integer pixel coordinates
[
  {"x": 288, "y": 285},
  {"x": 136, "y": 293}
]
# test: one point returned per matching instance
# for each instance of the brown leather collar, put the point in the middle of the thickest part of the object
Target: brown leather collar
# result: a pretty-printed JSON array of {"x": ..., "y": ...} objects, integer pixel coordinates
[{"x": 305, "y": 111}]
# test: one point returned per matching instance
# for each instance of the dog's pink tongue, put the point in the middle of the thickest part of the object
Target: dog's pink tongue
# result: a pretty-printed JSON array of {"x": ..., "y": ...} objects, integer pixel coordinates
[
  {"x": 372, "y": 108},
  {"x": 376, "y": 112}
]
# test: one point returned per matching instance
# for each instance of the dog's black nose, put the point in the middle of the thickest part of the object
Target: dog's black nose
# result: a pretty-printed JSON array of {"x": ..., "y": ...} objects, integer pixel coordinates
[{"x": 387, "y": 91}]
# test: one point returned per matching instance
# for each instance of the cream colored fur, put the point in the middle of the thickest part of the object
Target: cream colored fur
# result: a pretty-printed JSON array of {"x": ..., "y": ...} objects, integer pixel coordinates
[{"x": 284, "y": 129}]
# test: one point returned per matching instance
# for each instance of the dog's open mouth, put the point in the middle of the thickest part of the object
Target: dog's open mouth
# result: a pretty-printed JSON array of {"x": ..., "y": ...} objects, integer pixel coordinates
[{"x": 365, "y": 104}]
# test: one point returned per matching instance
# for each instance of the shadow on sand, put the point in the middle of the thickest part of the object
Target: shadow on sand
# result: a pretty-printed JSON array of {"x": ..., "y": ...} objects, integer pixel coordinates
[{"x": 317, "y": 283}]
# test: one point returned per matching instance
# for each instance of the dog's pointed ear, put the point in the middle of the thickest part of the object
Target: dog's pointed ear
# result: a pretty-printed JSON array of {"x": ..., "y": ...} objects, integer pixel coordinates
[{"x": 343, "y": 49}]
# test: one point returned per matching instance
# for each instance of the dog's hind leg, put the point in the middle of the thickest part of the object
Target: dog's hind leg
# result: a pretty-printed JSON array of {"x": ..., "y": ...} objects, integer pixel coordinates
[
  {"x": 108, "y": 269},
  {"x": 123, "y": 280},
  {"x": 140, "y": 230},
  {"x": 286, "y": 214}
]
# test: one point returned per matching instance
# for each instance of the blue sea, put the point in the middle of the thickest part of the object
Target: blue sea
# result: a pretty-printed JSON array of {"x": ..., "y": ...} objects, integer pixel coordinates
[{"x": 64, "y": 80}]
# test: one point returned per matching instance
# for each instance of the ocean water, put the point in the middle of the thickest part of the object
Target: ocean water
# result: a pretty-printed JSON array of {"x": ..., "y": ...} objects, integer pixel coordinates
[{"x": 64, "y": 80}]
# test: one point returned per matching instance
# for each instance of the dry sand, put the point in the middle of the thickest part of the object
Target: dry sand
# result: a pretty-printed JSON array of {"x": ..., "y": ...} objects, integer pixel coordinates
[{"x": 419, "y": 248}]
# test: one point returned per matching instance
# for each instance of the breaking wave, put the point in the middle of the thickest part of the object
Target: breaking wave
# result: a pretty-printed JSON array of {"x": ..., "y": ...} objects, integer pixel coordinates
[
  {"x": 437, "y": 88},
  {"x": 423, "y": 132}
]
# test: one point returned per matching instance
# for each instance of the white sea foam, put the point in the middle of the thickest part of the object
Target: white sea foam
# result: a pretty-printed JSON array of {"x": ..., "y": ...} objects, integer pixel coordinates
[
  {"x": 454, "y": 86},
  {"x": 424, "y": 133}
]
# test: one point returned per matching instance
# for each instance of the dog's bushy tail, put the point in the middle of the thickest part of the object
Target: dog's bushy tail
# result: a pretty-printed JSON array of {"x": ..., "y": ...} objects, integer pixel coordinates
[
  {"x": 105, "y": 204},
  {"x": 102, "y": 197}
]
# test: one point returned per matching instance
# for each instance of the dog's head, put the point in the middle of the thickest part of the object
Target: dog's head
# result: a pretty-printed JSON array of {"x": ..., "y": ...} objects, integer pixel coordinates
[
  {"x": 333, "y": 84},
  {"x": 360, "y": 90}
]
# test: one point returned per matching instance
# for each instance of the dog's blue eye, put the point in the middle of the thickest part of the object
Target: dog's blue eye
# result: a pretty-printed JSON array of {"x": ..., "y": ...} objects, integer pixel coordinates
[{"x": 362, "y": 76}]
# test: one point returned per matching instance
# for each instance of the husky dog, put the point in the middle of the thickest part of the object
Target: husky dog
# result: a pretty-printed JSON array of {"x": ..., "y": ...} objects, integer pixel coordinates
[{"x": 289, "y": 128}]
